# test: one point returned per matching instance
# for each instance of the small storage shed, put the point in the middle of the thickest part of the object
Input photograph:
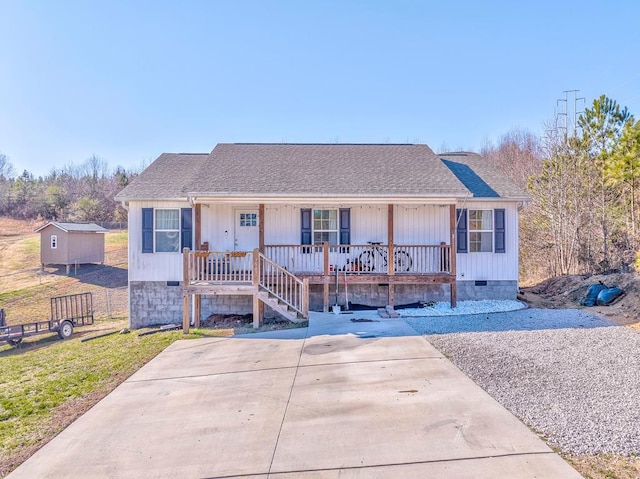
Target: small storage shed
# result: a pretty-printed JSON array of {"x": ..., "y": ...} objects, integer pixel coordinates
[{"x": 71, "y": 243}]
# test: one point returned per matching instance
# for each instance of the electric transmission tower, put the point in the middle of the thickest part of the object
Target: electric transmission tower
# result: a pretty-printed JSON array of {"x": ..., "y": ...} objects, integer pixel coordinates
[{"x": 567, "y": 114}]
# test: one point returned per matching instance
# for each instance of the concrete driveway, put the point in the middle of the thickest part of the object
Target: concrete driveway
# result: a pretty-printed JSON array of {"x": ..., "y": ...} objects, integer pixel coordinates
[{"x": 340, "y": 399}]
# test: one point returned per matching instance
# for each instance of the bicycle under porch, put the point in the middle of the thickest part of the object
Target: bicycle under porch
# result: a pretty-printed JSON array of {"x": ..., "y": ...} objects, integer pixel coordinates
[{"x": 281, "y": 276}]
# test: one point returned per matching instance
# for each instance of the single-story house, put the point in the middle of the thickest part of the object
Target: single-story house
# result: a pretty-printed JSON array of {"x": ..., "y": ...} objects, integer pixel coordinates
[
  {"x": 71, "y": 244},
  {"x": 300, "y": 227}
]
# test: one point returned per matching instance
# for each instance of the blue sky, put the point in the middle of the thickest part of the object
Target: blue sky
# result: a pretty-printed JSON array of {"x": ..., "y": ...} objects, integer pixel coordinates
[{"x": 128, "y": 80}]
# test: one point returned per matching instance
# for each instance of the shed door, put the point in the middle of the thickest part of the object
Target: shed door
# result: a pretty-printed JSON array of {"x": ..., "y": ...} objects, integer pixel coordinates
[{"x": 247, "y": 236}]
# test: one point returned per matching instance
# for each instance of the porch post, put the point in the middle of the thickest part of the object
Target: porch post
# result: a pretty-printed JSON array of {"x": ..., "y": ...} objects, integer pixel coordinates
[
  {"x": 305, "y": 298},
  {"x": 261, "y": 227},
  {"x": 198, "y": 227},
  {"x": 197, "y": 308},
  {"x": 452, "y": 255},
  {"x": 256, "y": 311},
  {"x": 186, "y": 306},
  {"x": 327, "y": 278},
  {"x": 391, "y": 266},
  {"x": 258, "y": 306},
  {"x": 186, "y": 303}
]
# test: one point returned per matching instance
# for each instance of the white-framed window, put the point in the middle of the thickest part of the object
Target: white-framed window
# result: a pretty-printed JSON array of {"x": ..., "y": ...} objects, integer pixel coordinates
[
  {"x": 248, "y": 219},
  {"x": 325, "y": 227},
  {"x": 480, "y": 231},
  {"x": 167, "y": 230},
  {"x": 54, "y": 241}
]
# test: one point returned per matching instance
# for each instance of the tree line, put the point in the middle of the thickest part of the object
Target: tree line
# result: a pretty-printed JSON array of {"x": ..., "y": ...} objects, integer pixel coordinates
[
  {"x": 81, "y": 193},
  {"x": 583, "y": 183}
]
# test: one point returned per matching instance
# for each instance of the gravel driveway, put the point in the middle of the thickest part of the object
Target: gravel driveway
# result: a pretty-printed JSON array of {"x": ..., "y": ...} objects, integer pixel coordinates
[{"x": 571, "y": 376}]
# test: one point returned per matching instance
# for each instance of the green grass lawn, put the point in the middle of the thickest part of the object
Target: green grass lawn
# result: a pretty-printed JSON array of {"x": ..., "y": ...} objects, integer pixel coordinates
[
  {"x": 116, "y": 237},
  {"x": 46, "y": 383}
]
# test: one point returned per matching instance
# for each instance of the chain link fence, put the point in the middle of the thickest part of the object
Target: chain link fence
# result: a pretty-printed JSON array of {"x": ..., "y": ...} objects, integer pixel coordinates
[{"x": 110, "y": 303}]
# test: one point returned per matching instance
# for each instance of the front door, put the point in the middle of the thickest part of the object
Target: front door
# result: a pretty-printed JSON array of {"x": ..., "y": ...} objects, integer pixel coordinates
[{"x": 247, "y": 236}]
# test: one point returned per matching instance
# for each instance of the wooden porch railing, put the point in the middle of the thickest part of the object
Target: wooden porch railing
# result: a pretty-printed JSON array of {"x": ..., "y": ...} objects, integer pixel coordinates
[
  {"x": 220, "y": 267},
  {"x": 361, "y": 259},
  {"x": 276, "y": 271},
  {"x": 238, "y": 267},
  {"x": 280, "y": 283}
]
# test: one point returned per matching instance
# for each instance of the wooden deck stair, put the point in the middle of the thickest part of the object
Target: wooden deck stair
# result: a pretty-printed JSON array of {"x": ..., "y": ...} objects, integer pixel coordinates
[
  {"x": 280, "y": 307},
  {"x": 279, "y": 289}
]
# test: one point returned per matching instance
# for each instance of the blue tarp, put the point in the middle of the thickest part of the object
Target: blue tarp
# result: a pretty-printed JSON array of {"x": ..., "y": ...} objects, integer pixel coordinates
[{"x": 601, "y": 295}]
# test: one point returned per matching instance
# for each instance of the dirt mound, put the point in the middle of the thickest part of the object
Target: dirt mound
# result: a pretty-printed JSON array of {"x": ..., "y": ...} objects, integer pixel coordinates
[{"x": 567, "y": 291}]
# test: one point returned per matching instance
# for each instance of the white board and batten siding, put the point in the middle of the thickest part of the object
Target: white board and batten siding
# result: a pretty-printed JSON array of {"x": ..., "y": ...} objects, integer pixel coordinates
[
  {"x": 218, "y": 225},
  {"x": 413, "y": 224},
  {"x": 151, "y": 266},
  {"x": 282, "y": 223},
  {"x": 492, "y": 266},
  {"x": 421, "y": 224}
]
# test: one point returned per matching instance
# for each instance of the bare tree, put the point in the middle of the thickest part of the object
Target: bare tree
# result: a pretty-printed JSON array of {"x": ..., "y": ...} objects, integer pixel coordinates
[
  {"x": 518, "y": 154},
  {"x": 6, "y": 168},
  {"x": 558, "y": 208}
]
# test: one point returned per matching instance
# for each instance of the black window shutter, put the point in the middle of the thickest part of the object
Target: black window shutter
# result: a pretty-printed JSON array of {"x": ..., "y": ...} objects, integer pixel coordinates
[
  {"x": 461, "y": 232},
  {"x": 501, "y": 246},
  {"x": 186, "y": 228},
  {"x": 305, "y": 226},
  {"x": 345, "y": 225},
  {"x": 147, "y": 230}
]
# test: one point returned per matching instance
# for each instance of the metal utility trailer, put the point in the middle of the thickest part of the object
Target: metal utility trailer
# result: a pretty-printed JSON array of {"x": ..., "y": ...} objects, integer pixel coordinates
[{"x": 67, "y": 312}]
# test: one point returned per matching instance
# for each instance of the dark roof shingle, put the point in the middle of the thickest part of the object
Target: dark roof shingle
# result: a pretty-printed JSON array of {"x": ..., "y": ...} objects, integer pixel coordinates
[
  {"x": 165, "y": 178},
  {"x": 480, "y": 178},
  {"x": 317, "y": 170},
  {"x": 323, "y": 170}
]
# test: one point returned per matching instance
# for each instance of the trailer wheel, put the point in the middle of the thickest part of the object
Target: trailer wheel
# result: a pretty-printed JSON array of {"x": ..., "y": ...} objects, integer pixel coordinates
[{"x": 66, "y": 330}]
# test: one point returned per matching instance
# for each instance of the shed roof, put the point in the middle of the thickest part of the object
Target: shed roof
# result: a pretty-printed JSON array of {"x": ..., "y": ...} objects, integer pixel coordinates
[
  {"x": 319, "y": 170},
  {"x": 75, "y": 227}
]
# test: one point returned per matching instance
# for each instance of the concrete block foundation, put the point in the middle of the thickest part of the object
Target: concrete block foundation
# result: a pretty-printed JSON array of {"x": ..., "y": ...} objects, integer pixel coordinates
[
  {"x": 159, "y": 302},
  {"x": 477, "y": 290},
  {"x": 155, "y": 302}
]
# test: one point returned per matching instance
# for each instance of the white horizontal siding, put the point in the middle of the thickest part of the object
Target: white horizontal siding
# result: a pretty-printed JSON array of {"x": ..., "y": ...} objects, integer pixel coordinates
[{"x": 492, "y": 266}]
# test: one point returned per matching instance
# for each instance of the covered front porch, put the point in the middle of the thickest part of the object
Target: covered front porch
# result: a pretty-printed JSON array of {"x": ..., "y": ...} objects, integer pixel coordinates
[{"x": 280, "y": 275}]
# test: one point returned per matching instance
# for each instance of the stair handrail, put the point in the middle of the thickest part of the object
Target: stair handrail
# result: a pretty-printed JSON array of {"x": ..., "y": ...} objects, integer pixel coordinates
[{"x": 282, "y": 284}]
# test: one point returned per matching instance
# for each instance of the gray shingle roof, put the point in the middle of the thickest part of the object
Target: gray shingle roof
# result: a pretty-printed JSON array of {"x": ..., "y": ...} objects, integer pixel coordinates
[
  {"x": 165, "y": 178},
  {"x": 317, "y": 170},
  {"x": 323, "y": 170},
  {"x": 480, "y": 177},
  {"x": 470, "y": 179},
  {"x": 75, "y": 227}
]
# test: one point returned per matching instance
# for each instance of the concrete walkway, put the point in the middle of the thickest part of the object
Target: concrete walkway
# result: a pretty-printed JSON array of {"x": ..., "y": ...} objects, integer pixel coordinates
[{"x": 340, "y": 399}]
